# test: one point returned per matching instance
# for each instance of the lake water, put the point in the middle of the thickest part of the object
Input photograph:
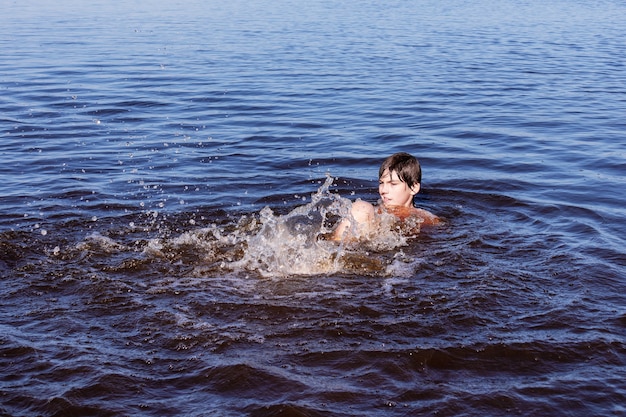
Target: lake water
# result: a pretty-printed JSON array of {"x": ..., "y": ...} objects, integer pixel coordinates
[{"x": 168, "y": 166}]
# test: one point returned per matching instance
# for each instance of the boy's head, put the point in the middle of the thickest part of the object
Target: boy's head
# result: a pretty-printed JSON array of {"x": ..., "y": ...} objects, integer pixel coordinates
[
  {"x": 405, "y": 165},
  {"x": 399, "y": 179}
]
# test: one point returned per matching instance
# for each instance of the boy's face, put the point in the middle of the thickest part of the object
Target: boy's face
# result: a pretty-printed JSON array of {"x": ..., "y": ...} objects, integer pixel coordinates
[{"x": 394, "y": 191}]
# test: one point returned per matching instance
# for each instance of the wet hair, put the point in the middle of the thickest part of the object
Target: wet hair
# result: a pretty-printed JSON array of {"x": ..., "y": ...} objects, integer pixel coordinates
[{"x": 405, "y": 165}]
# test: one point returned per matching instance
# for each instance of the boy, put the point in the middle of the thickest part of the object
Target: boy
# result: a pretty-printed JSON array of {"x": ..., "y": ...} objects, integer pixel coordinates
[{"x": 399, "y": 179}]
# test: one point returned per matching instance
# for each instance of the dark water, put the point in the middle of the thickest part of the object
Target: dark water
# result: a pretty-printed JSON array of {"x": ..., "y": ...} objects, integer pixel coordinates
[{"x": 167, "y": 167}]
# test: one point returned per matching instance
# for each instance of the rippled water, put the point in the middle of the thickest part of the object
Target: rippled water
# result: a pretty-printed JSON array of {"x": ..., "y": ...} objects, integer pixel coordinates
[{"x": 168, "y": 168}]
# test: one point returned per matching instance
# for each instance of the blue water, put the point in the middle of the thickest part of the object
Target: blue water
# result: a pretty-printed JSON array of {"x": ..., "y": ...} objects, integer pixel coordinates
[{"x": 159, "y": 158}]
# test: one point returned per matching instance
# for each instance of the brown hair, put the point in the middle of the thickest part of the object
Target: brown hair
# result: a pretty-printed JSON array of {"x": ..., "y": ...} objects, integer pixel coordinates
[{"x": 405, "y": 165}]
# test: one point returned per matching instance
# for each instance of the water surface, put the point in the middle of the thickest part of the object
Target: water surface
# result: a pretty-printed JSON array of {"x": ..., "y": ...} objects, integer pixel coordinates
[{"x": 169, "y": 166}]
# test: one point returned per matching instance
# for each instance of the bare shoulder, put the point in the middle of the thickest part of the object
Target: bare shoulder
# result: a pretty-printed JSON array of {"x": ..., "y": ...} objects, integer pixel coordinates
[
  {"x": 428, "y": 218},
  {"x": 403, "y": 213}
]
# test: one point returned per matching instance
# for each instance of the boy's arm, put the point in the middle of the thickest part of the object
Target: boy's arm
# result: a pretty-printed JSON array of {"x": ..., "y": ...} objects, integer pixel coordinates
[{"x": 362, "y": 213}]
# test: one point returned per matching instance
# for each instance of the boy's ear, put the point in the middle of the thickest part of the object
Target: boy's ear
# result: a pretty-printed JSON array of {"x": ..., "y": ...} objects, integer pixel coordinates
[{"x": 415, "y": 188}]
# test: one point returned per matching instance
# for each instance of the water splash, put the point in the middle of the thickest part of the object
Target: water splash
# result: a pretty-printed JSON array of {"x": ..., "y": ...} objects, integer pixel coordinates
[
  {"x": 296, "y": 243},
  {"x": 268, "y": 244}
]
